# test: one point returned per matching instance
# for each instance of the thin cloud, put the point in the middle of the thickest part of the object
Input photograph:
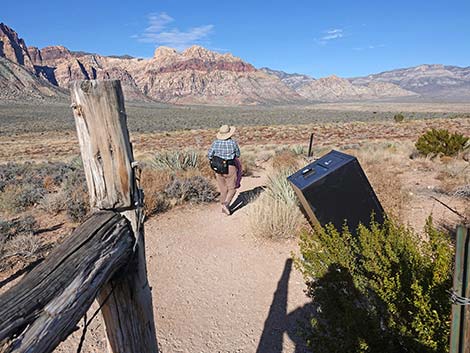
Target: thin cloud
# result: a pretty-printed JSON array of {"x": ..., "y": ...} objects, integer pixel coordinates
[
  {"x": 158, "y": 21},
  {"x": 369, "y": 47},
  {"x": 329, "y": 35},
  {"x": 160, "y": 32}
]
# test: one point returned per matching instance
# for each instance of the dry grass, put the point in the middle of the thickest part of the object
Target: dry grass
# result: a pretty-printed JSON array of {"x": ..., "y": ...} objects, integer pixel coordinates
[
  {"x": 383, "y": 165},
  {"x": 274, "y": 219},
  {"x": 25, "y": 246},
  {"x": 275, "y": 214},
  {"x": 286, "y": 158},
  {"x": 154, "y": 183},
  {"x": 453, "y": 175}
]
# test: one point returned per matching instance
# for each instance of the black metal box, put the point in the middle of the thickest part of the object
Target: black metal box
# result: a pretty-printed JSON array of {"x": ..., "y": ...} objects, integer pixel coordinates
[{"x": 335, "y": 189}]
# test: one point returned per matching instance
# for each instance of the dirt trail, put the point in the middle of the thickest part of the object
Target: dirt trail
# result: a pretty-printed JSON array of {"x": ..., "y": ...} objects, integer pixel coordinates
[{"x": 216, "y": 288}]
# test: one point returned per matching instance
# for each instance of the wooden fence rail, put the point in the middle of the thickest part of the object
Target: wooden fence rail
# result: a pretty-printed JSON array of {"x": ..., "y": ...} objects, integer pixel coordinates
[{"x": 44, "y": 307}]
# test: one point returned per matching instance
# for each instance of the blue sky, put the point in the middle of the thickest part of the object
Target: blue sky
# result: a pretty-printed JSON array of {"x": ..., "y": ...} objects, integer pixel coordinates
[{"x": 319, "y": 38}]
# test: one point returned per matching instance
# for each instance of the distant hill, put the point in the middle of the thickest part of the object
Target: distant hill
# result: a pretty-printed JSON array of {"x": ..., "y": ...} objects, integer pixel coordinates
[
  {"x": 334, "y": 88},
  {"x": 432, "y": 81},
  {"x": 200, "y": 76}
]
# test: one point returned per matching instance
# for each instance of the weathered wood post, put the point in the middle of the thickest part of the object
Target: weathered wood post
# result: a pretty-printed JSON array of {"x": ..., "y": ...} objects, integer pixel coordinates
[{"x": 107, "y": 156}]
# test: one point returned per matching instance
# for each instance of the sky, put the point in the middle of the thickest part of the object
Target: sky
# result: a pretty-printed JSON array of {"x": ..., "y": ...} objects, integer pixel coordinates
[{"x": 318, "y": 38}]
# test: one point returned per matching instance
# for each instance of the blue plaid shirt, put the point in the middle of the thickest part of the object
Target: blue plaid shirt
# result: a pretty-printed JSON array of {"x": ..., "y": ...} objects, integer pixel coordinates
[{"x": 226, "y": 149}]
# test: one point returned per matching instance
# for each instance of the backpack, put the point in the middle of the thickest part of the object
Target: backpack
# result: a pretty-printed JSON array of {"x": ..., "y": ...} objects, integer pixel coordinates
[{"x": 219, "y": 165}]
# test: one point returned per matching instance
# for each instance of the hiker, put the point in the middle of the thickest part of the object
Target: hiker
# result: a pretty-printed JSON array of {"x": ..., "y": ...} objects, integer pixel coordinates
[{"x": 224, "y": 158}]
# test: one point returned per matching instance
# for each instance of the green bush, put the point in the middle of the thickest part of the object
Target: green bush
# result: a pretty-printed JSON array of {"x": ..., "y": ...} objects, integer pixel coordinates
[
  {"x": 398, "y": 118},
  {"x": 436, "y": 142},
  {"x": 382, "y": 290}
]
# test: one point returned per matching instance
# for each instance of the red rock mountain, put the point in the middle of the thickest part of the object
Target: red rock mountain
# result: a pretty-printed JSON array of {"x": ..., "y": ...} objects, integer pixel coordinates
[
  {"x": 14, "y": 48},
  {"x": 18, "y": 80},
  {"x": 194, "y": 76}
]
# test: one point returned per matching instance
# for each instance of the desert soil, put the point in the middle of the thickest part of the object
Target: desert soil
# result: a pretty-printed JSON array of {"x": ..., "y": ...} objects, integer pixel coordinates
[{"x": 215, "y": 287}]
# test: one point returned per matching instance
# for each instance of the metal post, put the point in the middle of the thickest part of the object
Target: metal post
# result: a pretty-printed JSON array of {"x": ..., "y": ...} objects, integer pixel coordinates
[
  {"x": 459, "y": 335},
  {"x": 310, "y": 146}
]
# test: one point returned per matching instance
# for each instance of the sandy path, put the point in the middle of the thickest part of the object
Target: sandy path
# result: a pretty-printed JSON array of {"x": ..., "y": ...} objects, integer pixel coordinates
[{"x": 216, "y": 288}]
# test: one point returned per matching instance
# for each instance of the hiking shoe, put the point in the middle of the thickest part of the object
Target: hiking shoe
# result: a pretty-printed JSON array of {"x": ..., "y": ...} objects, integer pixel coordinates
[{"x": 226, "y": 210}]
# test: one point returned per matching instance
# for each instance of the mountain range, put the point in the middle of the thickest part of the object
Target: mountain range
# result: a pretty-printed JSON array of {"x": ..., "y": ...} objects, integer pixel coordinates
[{"x": 200, "y": 76}]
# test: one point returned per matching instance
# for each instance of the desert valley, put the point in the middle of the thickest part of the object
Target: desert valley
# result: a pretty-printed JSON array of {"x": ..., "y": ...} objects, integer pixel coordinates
[{"x": 247, "y": 288}]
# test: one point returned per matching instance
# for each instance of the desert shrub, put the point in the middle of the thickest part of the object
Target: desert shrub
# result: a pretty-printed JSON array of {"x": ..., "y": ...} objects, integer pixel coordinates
[
  {"x": 18, "y": 197},
  {"x": 453, "y": 176},
  {"x": 248, "y": 161},
  {"x": 25, "y": 246},
  {"x": 34, "y": 174},
  {"x": 17, "y": 239},
  {"x": 204, "y": 167},
  {"x": 76, "y": 195},
  {"x": 275, "y": 214},
  {"x": 154, "y": 183},
  {"x": 285, "y": 159},
  {"x": 193, "y": 189},
  {"x": 11, "y": 228},
  {"x": 383, "y": 290},
  {"x": 274, "y": 219},
  {"x": 398, "y": 118},
  {"x": 23, "y": 185},
  {"x": 440, "y": 141},
  {"x": 463, "y": 191},
  {"x": 54, "y": 202}
]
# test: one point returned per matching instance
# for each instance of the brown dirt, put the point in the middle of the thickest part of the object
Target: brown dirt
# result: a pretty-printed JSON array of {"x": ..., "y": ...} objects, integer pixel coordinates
[
  {"x": 53, "y": 146},
  {"x": 215, "y": 287},
  {"x": 225, "y": 291}
]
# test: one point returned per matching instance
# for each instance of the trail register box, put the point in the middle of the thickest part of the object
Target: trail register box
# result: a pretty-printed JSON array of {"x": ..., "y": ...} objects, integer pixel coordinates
[{"x": 334, "y": 189}]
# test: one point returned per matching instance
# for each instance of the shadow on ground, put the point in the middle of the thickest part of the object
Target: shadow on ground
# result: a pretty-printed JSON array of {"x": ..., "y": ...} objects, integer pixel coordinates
[
  {"x": 279, "y": 322},
  {"x": 245, "y": 197}
]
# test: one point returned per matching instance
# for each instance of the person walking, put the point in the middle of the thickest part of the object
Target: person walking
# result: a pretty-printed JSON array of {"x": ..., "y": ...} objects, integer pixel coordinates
[{"x": 224, "y": 154}]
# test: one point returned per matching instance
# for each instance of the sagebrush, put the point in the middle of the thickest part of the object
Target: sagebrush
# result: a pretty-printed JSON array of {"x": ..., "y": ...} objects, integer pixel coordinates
[{"x": 383, "y": 290}]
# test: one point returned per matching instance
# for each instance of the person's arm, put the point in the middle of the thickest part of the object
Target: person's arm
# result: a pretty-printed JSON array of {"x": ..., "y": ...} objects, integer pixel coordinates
[
  {"x": 211, "y": 152},
  {"x": 237, "y": 149}
]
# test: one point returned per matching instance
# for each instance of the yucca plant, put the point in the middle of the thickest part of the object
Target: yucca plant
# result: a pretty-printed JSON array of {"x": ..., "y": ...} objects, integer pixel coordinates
[
  {"x": 298, "y": 150},
  {"x": 176, "y": 160}
]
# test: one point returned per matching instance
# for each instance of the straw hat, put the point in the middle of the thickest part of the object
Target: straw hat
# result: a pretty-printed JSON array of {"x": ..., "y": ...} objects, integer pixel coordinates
[{"x": 225, "y": 132}]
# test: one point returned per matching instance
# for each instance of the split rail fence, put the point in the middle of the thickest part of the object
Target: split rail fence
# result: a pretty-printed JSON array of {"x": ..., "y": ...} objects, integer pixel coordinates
[{"x": 104, "y": 258}]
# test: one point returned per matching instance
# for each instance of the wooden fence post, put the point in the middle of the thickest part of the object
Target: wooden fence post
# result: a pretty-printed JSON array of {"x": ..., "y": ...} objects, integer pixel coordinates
[{"x": 107, "y": 156}]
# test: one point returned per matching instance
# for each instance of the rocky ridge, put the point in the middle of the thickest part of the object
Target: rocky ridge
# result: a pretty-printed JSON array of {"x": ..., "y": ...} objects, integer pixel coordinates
[
  {"x": 200, "y": 76},
  {"x": 432, "y": 81},
  {"x": 334, "y": 88}
]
